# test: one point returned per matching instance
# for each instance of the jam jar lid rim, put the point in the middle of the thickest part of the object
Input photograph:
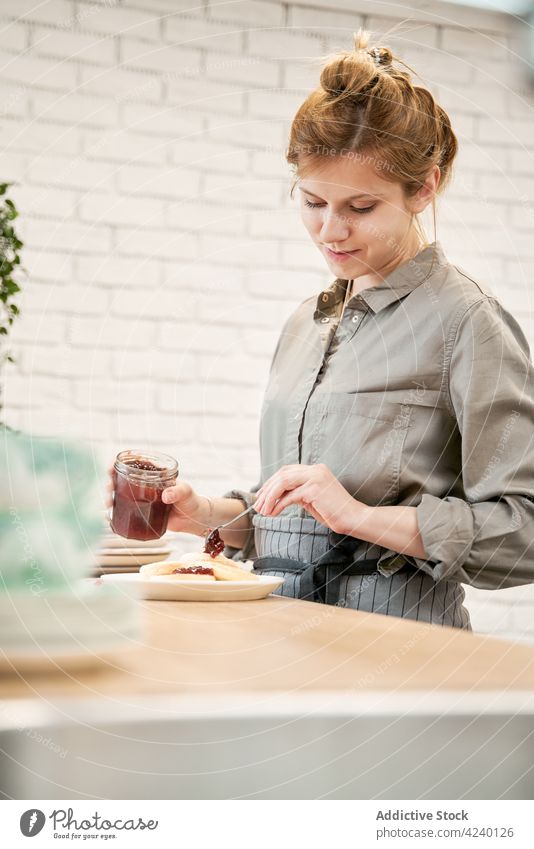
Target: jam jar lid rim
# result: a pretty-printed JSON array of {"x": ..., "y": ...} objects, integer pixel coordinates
[{"x": 146, "y": 474}]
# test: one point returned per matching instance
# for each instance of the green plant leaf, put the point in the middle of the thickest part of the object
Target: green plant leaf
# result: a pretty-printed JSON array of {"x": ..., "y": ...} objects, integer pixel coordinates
[{"x": 10, "y": 245}]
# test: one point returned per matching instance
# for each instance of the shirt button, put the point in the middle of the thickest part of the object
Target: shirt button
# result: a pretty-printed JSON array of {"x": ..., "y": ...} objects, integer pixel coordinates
[
  {"x": 355, "y": 318},
  {"x": 325, "y": 320},
  {"x": 324, "y": 299}
]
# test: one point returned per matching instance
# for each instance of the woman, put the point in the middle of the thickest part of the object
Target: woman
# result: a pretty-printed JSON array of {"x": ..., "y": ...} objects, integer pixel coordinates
[{"x": 397, "y": 428}]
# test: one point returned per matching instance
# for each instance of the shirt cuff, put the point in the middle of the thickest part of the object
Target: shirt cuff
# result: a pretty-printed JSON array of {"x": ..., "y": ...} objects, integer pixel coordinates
[
  {"x": 446, "y": 526},
  {"x": 248, "y": 551}
]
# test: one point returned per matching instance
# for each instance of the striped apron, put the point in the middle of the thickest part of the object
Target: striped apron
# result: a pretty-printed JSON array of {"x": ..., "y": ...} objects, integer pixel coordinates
[{"x": 321, "y": 566}]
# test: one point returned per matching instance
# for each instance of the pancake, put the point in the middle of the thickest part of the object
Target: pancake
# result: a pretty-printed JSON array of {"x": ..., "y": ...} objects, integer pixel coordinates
[{"x": 200, "y": 566}]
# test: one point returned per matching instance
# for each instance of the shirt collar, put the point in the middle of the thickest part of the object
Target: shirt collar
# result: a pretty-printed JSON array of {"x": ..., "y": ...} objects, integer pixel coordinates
[{"x": 400, "y": 282}]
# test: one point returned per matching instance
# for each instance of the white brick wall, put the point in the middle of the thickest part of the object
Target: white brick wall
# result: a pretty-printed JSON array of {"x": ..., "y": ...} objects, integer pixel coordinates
[{"x": 163, "y": 253}]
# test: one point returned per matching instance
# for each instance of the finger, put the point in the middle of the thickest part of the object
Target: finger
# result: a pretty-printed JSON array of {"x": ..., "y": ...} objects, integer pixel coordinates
[
  {"x": 265, "y": 504},
  {"x": 296, "y": 496},
  {"x": 305, "y": 503},
  {"x": 267, "y": 483},
  {"x": 263, "y": 488},
  {"x": 172, "y": 494},
  {"x": 274, "y": 487},
  {"x": 279, "y": 475},
  {"x": 286, "y": 482},
  {"x": 270, "y": 498},
  {"x": 260, "y": 500},
  {"x": 109, "y": 491}
]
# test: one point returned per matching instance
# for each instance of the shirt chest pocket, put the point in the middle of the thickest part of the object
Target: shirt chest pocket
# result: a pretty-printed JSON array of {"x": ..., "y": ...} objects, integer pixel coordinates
[{"x": 361, "y": 437}]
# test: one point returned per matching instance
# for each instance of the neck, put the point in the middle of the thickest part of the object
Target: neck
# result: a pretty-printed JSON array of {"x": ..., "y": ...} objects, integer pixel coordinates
[{"x": 376, "y": 276}]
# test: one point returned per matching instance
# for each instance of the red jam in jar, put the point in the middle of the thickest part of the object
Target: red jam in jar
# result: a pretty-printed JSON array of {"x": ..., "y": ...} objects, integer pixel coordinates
[{"x": 139, "y": 479}]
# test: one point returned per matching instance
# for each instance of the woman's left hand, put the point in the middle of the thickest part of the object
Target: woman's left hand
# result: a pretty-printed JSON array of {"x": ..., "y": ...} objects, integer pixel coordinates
[{"x": 316, "y": 489}]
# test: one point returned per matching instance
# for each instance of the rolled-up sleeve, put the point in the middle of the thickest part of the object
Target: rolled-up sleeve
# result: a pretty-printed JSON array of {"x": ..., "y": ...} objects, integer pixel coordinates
[{"x": 487, "y": 539}]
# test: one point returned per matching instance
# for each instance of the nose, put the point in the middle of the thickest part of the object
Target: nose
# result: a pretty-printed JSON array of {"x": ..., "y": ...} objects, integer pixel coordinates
[{"x": 334, "y": 229}]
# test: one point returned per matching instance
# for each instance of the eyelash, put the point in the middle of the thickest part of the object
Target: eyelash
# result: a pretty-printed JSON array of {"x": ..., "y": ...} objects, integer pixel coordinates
[{"x": 361, "y": 211}]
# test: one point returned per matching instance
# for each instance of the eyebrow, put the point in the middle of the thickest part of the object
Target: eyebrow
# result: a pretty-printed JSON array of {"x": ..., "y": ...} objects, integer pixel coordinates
[{"x": 354, "y": 197}]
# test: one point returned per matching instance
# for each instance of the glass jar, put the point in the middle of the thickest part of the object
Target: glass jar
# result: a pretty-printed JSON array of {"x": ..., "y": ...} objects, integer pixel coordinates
[{"x": 139, "y": 478}]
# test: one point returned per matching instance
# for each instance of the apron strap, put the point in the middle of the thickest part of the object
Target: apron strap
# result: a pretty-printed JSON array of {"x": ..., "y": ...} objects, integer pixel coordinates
[
  {"x": 285, "y": 564},
  {"x": 313, "y": 576}
]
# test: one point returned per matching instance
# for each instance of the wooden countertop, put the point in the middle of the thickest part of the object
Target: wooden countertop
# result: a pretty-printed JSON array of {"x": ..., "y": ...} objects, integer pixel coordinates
[{"x": 289, "y": 646}]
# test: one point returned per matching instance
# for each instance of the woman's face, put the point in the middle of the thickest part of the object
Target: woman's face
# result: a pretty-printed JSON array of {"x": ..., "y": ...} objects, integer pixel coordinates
[{"x": 360, "y": 222}]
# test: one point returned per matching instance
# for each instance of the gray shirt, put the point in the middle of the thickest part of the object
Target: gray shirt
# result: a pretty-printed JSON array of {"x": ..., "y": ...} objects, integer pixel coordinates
[{"x": 422, "y": 395}]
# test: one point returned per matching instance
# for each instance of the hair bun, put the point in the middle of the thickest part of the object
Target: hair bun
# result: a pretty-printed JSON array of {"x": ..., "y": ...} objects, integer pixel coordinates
[
  {"x": 350, "y": 74},
  {"x": 381, "y": 56}
]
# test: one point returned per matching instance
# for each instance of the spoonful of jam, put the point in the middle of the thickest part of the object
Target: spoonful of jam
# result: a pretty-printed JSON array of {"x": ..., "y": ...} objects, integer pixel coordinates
[{"x": 214, "y": 545}]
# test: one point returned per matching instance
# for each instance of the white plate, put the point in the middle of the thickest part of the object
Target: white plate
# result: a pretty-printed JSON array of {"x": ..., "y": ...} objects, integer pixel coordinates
[
  {"x": 163, "y": 588},
  {"x": 121, "y": 559}
]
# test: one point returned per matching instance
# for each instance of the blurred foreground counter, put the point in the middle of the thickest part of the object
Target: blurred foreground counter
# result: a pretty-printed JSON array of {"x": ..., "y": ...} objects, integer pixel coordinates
[{"x": 278, "y": 698}]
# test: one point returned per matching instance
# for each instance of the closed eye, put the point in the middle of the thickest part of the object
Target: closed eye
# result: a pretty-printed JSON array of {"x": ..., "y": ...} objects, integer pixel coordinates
[{"x": 362, "y": 210}]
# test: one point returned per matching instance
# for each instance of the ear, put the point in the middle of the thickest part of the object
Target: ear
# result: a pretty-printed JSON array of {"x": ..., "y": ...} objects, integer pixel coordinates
[{"x": 424, "y": 195}]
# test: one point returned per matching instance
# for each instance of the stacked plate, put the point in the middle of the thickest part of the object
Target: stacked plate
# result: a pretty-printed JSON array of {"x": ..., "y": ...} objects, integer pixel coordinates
[{"x": 118, "y": 554}]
